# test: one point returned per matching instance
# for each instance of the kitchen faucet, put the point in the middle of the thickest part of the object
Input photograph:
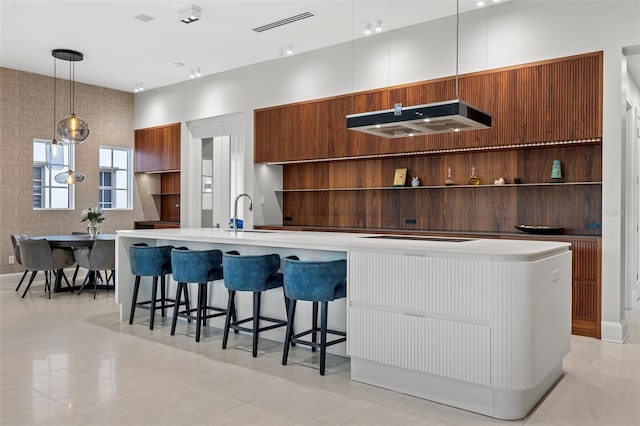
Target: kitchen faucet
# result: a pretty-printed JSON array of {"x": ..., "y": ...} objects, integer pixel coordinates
[{"x": 235, "y": 210}]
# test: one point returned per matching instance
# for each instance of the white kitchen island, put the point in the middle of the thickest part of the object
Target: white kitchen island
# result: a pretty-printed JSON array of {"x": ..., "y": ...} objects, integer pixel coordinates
[{"x": 478, "y": 324}]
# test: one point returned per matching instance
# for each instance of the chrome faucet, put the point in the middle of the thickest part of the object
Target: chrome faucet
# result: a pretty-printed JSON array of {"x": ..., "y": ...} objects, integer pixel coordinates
[{"x": 235, "y": 209}]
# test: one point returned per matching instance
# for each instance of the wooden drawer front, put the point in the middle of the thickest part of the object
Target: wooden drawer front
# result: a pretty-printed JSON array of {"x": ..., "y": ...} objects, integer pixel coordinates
[{"x": 451, "y": 349}]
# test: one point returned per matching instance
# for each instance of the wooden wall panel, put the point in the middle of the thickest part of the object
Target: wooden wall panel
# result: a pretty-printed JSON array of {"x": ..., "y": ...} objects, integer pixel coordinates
[
  {"x": 557, "y": 100},
  {"x": 577, "y": 208}
]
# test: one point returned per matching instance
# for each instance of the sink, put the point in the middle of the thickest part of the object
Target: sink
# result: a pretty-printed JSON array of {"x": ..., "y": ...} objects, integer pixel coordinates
[{"x": 419, "y": 238}]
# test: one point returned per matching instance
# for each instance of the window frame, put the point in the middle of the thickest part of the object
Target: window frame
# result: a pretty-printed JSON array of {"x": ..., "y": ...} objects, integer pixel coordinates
[
  {"x": 113, "y": 188},
  {"x": 48, "y": 174}
]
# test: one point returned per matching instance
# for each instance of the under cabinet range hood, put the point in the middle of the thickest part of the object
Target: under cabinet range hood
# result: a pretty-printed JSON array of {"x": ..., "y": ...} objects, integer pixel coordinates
[{"x": 440, "y": 117}]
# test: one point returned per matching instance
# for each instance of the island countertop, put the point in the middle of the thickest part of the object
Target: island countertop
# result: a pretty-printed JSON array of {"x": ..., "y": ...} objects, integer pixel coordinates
[
  {"x": 471, "y": 248},
  {"x": 479, "y": 324}
]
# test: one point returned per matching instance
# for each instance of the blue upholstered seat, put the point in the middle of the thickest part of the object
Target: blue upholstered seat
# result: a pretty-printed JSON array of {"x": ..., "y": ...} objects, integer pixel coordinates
[
  {"x": 154, "y": 261},
  {"x": 252, "y": 273},
  {"x": 196, "y": 266},
  {"x": 317, "y": 282},
  {"x": 255, "y": 273},
  {"x": 201, "y": 267},
  {"x": 150, "y": 261}
]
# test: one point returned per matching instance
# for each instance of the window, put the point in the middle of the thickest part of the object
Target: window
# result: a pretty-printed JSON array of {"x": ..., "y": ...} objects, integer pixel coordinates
[
  {"x": 116, "y": 178},
  {"x": 47, "y": 193}
]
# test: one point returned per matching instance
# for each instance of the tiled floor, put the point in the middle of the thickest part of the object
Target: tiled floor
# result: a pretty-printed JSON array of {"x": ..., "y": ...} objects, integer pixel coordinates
[{"x": 70, "y": 361}]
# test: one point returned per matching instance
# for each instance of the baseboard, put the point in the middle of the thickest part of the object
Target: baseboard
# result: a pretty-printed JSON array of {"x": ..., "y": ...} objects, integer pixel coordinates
[{"x": 616, "y": 332}]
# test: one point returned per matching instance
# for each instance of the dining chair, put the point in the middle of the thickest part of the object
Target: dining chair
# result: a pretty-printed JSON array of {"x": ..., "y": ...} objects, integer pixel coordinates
[
  {"x": 16, "y": 251},
  {"x": 37, "y": 255},
  {"x": 97, "y": 273},
  {"x": 101, "y": 256}
]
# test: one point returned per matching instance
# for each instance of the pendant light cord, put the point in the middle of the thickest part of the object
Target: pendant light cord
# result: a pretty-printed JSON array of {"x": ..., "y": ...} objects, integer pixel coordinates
[
  {"x": 70, "y": 87},
  {"x": 457, "y": 42},
  {"x": 73, "y": 83},
  {"x": 54, "y": 98}
]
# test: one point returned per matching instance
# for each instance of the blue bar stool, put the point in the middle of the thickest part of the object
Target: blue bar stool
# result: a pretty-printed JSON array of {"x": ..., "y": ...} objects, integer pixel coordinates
[
  {"x": 313, "y": 281},
  {"x": 152, "y": 262},
  {"x": 255, "y": 274},
  {"x": 201, "y": 267}
]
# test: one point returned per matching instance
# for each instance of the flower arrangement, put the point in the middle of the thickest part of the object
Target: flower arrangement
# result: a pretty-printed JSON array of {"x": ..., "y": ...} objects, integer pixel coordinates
[{"x": 93, "y": 215}]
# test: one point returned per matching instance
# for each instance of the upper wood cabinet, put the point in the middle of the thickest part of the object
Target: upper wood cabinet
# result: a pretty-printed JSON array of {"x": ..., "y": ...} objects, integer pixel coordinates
[
  {"x": 548, "y": 101},
  {"x": 157, "y": 149}
]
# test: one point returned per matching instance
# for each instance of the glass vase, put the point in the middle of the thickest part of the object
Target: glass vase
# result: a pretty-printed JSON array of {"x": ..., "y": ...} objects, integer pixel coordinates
[{"x": 93, "y": 230}]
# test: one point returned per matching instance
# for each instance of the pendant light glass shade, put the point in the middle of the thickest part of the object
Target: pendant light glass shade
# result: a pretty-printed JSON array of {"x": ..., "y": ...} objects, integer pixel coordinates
[
  {"x": 55, "y": 155},
  {"x": 73, "y": 129},
  {"x": 69, "y": 177}
]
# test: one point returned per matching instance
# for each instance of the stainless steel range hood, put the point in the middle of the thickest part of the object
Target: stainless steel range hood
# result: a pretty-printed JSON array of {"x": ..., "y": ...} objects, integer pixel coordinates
[{"x": 440, "y": 117}]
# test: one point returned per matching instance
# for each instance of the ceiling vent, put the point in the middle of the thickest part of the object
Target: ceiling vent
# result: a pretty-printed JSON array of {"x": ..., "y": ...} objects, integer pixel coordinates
[{"x": 282, "y": 22}]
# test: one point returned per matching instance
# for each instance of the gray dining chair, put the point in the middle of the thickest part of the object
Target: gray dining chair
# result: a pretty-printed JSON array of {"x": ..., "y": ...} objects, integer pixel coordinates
[
  {"x": 97, "y": 274},
  {"x": 100, "y": 257},
  {"x": 37, "y": 255},
  {"x": 16, "y": 252}
]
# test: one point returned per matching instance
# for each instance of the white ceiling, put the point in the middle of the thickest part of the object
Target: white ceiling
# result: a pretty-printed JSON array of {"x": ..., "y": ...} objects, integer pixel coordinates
[{"x": 120, "y": 51}]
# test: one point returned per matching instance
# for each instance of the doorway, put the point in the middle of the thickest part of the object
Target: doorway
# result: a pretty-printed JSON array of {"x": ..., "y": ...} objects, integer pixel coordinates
[{"x": 222, "y": 178}]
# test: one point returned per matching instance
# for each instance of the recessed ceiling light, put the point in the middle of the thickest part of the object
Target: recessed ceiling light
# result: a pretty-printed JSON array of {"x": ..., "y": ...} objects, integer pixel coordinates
[
  {"x": 144, "y": 18},
  {"x": 480, "y": 3}
]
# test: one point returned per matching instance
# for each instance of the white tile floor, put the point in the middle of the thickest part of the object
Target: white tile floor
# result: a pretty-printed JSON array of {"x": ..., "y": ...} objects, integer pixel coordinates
[{"x": 70, "y": 361}]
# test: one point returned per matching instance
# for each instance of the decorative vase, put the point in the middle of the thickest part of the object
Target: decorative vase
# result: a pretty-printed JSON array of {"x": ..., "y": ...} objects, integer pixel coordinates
[
  {"x": 556, "y": 170},
  {"x": 93, "y": 230}
]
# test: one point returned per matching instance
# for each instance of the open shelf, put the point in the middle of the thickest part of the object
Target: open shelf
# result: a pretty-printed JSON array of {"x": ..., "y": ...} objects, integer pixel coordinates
[{"x": 385, "y": 188}]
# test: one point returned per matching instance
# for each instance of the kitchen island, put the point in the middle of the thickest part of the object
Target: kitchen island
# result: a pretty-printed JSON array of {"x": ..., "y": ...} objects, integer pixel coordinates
[{"x": 478, "y": 324}]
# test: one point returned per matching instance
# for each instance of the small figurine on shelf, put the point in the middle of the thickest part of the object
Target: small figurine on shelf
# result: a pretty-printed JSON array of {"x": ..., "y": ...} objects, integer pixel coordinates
[
  {"x": 449, "y": 181},
  {"x": 415, "y": 181},
  {"x": 499, "y": 181},
  {"x": 556, "y": 170},
  {"x": 473, "y": 179}
]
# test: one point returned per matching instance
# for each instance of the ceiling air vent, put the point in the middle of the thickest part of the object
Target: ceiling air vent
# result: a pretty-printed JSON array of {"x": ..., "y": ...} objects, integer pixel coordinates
[{"x": 282, "y": 22}]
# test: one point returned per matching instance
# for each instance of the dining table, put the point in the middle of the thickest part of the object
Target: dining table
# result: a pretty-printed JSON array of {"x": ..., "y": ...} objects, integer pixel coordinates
[{"x": 69, "y": 242}]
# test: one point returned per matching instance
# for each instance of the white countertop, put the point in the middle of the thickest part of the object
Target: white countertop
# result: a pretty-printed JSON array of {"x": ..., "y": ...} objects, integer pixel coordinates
[{"x": 486, "y": 249}]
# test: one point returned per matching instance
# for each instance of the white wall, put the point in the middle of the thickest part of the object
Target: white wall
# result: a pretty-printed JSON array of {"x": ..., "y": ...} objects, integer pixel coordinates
[{"x": 509, "y": 34}]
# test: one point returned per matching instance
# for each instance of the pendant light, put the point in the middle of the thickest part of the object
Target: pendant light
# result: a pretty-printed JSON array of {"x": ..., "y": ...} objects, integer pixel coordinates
[
  {"x": 69, "y": 177},
  {"x": 439, "y": 117},
  {"x": 71, "y": 129},
  {"x": 55, "y": 148}
]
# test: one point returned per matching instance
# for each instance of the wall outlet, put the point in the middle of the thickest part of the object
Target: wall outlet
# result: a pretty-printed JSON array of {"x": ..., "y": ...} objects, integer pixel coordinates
[
  {"x": 262, "y": 200},
  {"x": 12, "y": 260}
]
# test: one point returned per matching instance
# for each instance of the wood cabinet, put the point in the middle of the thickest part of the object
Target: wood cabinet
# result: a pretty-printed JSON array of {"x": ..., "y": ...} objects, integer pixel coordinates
[
  {"x": 158, "y": 148},
  {"x": 549, "y": 101},
  {"x": 157, "y": 151}
]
